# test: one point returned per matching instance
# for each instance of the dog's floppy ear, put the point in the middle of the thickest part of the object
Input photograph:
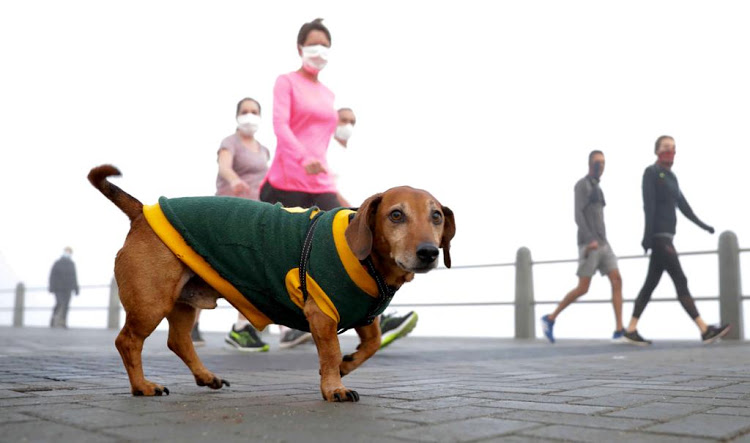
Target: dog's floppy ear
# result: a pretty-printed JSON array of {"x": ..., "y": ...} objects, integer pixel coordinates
[
  {"x": 449, "y": 230},
  {"x": 359, "y": 232}
]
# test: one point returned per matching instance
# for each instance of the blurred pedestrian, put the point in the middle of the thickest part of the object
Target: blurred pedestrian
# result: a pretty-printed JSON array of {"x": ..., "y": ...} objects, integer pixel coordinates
[
  {"x": 392, "y": 325},
  {"x": 243, "y": 162},
  {"x": 62, "y": 282},
  {"x": 594, "y": 251},
  {"x": 304, "y": 120},
  {"x": 661, "y": 195}
]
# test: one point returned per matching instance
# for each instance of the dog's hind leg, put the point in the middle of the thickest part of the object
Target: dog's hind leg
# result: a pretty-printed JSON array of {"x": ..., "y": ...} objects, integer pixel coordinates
[
  {"x": 130, "y": 345},
  {"x": 180, "y": 323},
  {"x": 369, "y": 337}
]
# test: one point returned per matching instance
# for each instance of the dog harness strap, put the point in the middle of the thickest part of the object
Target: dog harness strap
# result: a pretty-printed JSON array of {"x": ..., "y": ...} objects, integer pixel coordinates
[{"x": 305, "y": 259}]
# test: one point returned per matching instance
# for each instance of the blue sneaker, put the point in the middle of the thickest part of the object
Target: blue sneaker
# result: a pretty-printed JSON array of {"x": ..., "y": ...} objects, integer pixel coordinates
[
  {"x": 547, "y": 326},
  {"x": 619, "y": 336}
]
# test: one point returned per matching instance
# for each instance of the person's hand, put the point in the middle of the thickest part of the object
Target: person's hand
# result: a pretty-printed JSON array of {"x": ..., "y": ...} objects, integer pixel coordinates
[
  {"x": 239, "y": 187},
  {"x": 592, "y": 246},
  {"x": 646, "y": 246},
  {"x": 314, "y": 167},
  {"x": 710, "y": 229}
]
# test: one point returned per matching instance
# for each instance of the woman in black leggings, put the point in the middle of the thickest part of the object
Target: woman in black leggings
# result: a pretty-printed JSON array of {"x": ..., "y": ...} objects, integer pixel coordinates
[{"x": 661, "y": 195}]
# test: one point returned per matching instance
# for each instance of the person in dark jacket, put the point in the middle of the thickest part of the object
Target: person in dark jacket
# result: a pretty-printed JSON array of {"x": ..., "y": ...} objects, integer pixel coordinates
[
  {"x": 62, "y": 282},
  {"x": 661, "y": 197}
]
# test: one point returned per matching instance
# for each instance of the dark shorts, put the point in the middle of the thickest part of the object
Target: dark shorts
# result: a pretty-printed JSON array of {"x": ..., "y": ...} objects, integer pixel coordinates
[{"x": 291, "y": 199}]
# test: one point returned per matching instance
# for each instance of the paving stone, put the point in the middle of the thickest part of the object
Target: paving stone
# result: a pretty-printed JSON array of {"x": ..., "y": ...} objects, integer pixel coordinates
[
  {"x": 466, "y": 430},
  {"x": 41, "y": 431},
  {"x": 523, "y": 397},
  {"x": 595, "y": 391},
  {"x": 659, "y": 410},
  {"x": 578, "y": 420},
  {"x": 727, "y": 410},
  {"x": 705, "y": 425},
  {"x": 448, "y": 414},
  {"x": 622, "y": 400},
  {"x": 551, "y": 407},
  {"x": 580, "y": 434},
  {"x": 438, "y": 403},
  {"x": 427, "y": 394},
  {"x": 7, "y": 416}
]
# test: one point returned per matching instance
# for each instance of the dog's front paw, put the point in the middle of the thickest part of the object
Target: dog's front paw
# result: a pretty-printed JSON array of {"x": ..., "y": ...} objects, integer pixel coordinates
[{"x": 340, "y": 394}]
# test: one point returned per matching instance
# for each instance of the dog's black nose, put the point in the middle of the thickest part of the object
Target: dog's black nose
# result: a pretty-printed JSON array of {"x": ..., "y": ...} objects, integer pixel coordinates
[{"x": 427, "y": 252}]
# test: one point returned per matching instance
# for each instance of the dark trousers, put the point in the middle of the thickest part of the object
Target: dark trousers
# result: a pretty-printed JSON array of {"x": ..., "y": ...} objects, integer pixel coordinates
[
  {"x": 60, "y": 313},
  {"x": 293, "y": 199},
  {"x": 664, "y": 258}
]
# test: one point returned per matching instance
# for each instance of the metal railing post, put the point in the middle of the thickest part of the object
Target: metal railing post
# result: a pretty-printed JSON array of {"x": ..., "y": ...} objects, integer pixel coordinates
[
  {"x": 730, "y": 284},
  {"x": 113, "y": 317},
  {"x": 19, "y": 305},
  {"x": 524, "y": 295}
]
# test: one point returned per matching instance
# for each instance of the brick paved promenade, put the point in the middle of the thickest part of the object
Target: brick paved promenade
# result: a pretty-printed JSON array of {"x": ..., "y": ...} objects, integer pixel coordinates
[{"x": 70, "y": 386}]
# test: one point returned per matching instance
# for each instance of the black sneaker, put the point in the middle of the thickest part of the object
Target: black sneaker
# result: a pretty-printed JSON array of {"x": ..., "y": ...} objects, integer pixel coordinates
[
  {"x": 393, "y": 327},
  {"x": 245, "y": 340},
  {"x": 713, "y": 333},
  {"x": 635, "y": 338},
  {"x": 195, "y": 335},
  {"x": 293, "y": 337}
]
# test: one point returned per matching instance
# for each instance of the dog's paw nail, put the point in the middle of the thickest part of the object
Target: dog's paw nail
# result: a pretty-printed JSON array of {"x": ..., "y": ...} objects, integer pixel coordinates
[
  {"x": 224, "y": 382},
  {"x": 353, "y": 396},
  {"x": 166, "y": 391},
  {"x": 337, "y": 397},
  {"x": 349, "y": 357},
  {"x": 157, "y": 392},
  {"x": 138, "y": 393}
]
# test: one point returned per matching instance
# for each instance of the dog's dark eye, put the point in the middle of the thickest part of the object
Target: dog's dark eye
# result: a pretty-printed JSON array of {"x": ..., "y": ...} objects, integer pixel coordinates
[
  {"x": 437, "y": 217},
  {"x": 396, "y": 216}
]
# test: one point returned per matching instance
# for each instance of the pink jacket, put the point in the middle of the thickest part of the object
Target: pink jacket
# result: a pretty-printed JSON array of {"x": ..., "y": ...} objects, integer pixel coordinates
[{"x": 304, "y": 120}]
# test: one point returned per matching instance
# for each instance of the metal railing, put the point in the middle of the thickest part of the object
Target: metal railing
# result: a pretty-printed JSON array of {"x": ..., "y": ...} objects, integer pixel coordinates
[{"x": 730, "y": 290}]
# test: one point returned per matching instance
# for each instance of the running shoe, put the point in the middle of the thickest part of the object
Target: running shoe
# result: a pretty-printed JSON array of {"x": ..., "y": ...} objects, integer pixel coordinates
[
  {"x": 393, "y": 327},
  {"x": 634, "y": 338},
  {"x": 245, "y": 340},
  {"x": 195, "y": 336},
  {"x": 713, "y": 333},
  {"x": 293, "y": 337},
  {"x": 619, "y": 336},
  {"x": 547, "y": 326}
]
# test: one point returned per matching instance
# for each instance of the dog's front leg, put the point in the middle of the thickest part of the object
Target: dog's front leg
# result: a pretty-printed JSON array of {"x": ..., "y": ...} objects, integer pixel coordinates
[
  {"x": 369, "y": 337},
  {"x": 323, "y": 329}
]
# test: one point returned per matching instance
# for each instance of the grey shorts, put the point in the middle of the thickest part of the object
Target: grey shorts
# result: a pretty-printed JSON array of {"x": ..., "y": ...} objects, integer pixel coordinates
[{"x": 601, "y": 258}]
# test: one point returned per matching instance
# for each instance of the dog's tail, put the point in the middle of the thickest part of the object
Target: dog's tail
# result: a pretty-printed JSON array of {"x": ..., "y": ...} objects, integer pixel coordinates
[{"x": 126, "y": 202}]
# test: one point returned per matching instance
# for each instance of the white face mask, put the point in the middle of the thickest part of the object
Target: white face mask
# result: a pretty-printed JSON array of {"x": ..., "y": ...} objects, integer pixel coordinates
[
  {"x": 314, "y": 58},
  {"x": 248, "y": 123},
  {"x": 343, "y": 132}
]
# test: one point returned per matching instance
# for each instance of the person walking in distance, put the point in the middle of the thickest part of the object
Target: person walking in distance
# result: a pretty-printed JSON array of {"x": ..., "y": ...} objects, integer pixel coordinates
[
  {"x": 392, "y": 325},
  {"x": 594, "y": 251},
  {"x": 62, "y": 282},
  {"x": 661, "y": 197}
]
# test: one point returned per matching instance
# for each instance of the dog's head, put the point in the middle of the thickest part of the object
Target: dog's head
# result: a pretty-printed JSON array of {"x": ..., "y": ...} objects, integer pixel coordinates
[{"x": 405, "y": 225}]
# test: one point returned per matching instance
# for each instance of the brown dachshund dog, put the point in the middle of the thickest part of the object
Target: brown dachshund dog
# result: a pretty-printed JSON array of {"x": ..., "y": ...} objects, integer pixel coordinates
[{"x": 400, "y": 230}]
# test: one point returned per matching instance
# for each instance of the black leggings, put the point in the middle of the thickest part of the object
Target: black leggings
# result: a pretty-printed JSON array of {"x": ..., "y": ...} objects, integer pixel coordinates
[
  {"x": 664, "y": 258},
  {"x": 294, "y": 199}
]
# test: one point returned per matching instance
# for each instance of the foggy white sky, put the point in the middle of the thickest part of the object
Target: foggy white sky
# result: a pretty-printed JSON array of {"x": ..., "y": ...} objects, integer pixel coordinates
[{"x": 491, "y": 106}]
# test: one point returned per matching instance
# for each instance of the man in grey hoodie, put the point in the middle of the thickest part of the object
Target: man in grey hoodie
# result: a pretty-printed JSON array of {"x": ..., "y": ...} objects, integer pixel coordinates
[{"x": 594, "y": 252}]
